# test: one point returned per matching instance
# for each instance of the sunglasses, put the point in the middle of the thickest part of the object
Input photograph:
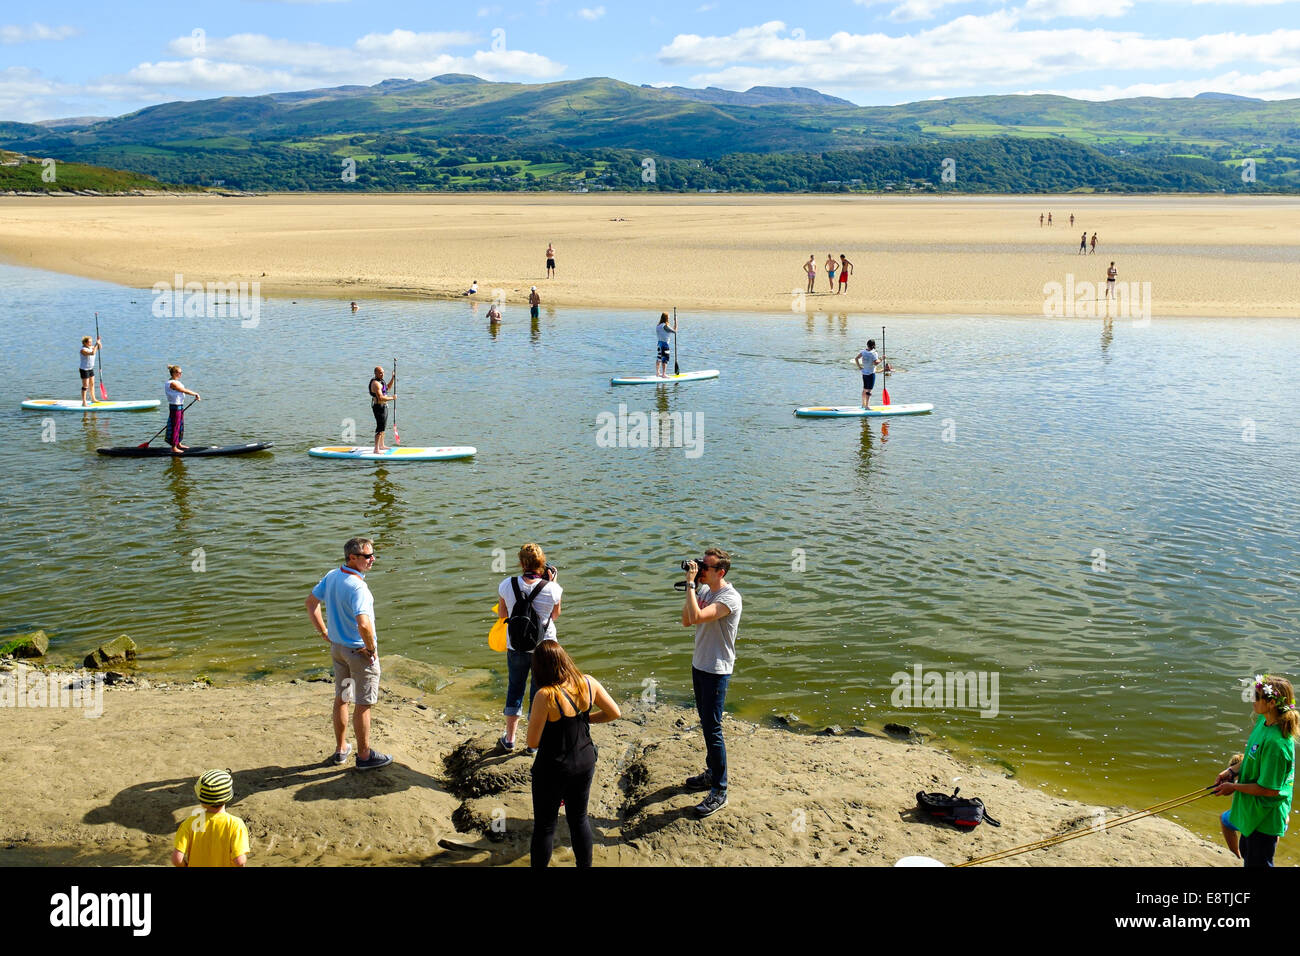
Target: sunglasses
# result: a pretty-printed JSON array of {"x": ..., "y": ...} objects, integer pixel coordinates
[{"x": 366, "y": 554}]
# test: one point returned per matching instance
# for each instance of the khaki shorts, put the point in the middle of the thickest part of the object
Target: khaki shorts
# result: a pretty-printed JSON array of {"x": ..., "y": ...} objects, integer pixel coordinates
[{"x": 356, "y": 680}]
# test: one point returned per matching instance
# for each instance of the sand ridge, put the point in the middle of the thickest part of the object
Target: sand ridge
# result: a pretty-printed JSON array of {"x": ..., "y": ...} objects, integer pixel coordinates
[{"x": 1204, "y": 256}]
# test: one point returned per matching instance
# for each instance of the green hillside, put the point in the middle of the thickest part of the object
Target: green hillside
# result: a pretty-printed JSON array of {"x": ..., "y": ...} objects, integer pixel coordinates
[
  {"x": 21, "y": 173},
  {"x": 460, "y": 132}
]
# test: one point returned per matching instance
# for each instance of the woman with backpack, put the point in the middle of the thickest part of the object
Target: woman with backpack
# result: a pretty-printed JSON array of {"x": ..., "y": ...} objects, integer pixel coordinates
[
  {"x": 558, "y": 728},
  {"x": 530, "y": 603}
]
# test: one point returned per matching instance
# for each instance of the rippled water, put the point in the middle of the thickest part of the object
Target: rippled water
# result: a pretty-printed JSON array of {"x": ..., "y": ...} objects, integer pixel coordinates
[{"x": 1084, "y": 514}]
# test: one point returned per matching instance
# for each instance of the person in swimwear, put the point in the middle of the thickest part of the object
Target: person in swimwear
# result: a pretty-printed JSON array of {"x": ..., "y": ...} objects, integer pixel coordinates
[
  {"x": 846, "y": 270},
  {"x": 380, "y": 396},
  {"x": 810, "y": 267},
  {"x": 550, "y": 261},
  {"x": 832, "y": 267},
  {"x": 534, "y": 301},
  {"x": 1111, "y": 274}
]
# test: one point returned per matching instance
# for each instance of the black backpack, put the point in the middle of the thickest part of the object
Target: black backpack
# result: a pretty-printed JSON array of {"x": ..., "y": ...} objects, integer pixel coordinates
[
  {"x": 965, "y": 813},
  {"x": 524, "y": 625}
]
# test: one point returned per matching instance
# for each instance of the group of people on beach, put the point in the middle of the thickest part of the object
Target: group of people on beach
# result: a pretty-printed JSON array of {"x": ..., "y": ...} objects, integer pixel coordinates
[{"x": 842, "y": 266}]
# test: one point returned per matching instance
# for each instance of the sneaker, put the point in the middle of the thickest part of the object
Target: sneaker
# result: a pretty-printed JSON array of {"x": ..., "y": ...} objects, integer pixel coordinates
[
  {"x": 715, "y": 801},
  {"x": 506, "y": 745},
  {"x": 376, "y": 759},
  {"x": 701, "y": 781},
  {"x": 531, "y": 751},
  {"x": 341, "y": 756}
]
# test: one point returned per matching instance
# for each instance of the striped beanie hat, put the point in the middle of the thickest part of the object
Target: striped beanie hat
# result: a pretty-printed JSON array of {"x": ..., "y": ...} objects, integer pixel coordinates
[{"x": 215, "y": 788}]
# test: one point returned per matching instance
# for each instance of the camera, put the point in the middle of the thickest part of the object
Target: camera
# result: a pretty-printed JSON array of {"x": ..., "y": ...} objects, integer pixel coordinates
[
  {"x": 699, "y": 563},
  {"x": 551, "y": 570},
  {"x": 683, "y": 585}
]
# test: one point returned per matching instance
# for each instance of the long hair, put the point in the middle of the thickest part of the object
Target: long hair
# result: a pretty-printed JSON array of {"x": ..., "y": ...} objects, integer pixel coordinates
[
  {"x": 552, "y": 667},
  {"x": 1288, "y": 721}
]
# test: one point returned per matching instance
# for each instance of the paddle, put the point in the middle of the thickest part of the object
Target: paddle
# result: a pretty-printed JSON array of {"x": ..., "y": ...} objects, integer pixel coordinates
[
  {"x": 103, "y": 392},
  {"x": 397, "y": 439},
  {"x": 677, "y": 343},
  {"x": 885, "y": 363},
  {"x": 146, "y": 444}
]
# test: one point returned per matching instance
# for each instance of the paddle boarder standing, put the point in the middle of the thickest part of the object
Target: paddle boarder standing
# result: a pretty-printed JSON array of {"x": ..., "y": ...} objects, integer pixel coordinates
[
  {"x": 866, "y": 361},
  {"x": 88, "y": 369},
  {"x": 662, "y": 331},
  {"x": 379, "y": 398},
  {"x": 175, "y": 394}
]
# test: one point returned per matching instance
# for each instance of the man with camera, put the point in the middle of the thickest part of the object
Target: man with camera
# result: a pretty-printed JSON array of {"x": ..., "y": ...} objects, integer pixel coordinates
[{"x": 714, "y": 612}]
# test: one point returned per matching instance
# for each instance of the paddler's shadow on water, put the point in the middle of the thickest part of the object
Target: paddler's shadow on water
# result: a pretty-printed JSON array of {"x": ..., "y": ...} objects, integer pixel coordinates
[{"x": 151, "y": 807}]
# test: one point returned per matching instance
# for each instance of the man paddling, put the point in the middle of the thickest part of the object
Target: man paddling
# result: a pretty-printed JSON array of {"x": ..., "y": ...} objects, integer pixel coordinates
[
  {"x": 866, "y": 361},
  {"x": 380, "y": 396}
]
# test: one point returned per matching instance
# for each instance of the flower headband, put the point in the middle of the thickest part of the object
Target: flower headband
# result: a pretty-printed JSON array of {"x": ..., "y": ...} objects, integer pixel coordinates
[{"x": 1265, "y": 689}]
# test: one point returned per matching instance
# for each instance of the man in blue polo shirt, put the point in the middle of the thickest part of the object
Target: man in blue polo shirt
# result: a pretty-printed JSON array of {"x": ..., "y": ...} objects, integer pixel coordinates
[{"x": 350, "y": 613}]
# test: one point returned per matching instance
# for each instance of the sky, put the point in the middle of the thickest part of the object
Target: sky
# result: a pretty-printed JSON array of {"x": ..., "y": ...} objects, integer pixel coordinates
[{"x": 81, "y": 58}]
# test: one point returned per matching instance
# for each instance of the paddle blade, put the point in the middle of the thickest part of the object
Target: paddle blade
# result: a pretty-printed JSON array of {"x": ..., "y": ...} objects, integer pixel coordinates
[
  {"x": 397, "y": 439},
  {"x": 103, "y": 392},
  {"x": 886, "y": 394}
]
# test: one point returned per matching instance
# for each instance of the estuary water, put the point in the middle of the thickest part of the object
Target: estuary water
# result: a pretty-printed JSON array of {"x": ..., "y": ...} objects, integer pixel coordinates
[{"x": 1098, "y": 521}]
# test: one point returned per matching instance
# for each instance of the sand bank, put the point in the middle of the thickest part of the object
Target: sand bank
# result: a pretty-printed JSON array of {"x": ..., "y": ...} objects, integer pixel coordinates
[
  {"x": 113, "y": 789},
  {"x": 1204, "y": 256}
]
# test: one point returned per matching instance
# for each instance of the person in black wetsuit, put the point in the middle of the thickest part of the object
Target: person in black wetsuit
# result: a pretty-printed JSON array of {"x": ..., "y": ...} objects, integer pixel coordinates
[
  {"x": 558, "y": 726},
  {"x": 380, "y": 395}
]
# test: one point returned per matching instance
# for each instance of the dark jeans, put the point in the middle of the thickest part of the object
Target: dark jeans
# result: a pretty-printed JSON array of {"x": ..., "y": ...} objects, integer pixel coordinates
[
  {"x": 519, "y": 667},
  {"x": 710, "y": 694},
  {"x": 1257, "y": 849},
  {"x": 549, "y": 788}
]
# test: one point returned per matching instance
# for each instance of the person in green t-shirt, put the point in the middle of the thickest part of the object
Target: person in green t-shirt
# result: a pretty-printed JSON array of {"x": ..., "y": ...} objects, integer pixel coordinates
[{"x": 1260, "y": 786}]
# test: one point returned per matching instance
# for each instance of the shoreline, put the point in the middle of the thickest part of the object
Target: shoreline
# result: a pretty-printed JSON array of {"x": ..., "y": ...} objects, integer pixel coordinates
[
  {"x": 1203, "y": 256},
  {"x": 797, "y": 799}
]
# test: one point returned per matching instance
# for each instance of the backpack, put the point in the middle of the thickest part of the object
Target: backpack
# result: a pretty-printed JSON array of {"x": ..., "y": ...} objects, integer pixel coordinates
[
  {"x": 524, "y": 625},
  {"x": 965, "y": 813}
]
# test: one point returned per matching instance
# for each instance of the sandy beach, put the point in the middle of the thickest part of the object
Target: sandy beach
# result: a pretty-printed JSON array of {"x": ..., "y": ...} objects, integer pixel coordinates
[
  {"x": 1204, "y": 256},
  {"x": 125, "y": 781}
]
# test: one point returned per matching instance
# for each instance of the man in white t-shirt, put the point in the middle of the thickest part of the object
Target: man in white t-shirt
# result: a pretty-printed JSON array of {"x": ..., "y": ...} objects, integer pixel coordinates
[
  {"x": 519, "y": 663},
  {"x": 715, "y": 614}
]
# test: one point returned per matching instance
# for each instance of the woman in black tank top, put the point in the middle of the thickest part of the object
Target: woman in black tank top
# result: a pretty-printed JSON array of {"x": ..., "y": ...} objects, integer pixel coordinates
[{"x": 559, "y": 727}]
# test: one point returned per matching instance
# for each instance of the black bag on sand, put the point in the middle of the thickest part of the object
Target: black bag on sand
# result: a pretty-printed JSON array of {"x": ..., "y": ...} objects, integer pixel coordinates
[{"x": 965, "y": 813}]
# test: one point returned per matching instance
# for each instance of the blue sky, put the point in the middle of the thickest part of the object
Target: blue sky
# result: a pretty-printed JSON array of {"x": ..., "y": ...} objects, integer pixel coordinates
[{"x": 81, "y": 58}]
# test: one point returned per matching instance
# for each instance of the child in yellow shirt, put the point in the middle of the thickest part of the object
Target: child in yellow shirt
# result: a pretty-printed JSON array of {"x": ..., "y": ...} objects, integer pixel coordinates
[{"x": 210, "y": 836}]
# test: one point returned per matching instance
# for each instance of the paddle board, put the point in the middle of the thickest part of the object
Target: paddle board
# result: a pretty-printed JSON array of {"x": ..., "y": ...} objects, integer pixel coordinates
[
  {"x": 656, "y": 380},
  {"x": 194, "y": 451},
  {"x": 402, "y": 453},
  {"x": 855, "y": 411},
  {"x": 74, "y": 405}
]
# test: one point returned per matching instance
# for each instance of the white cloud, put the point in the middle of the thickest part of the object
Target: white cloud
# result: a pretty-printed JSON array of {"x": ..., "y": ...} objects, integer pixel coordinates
[
  {"x": 591, "y": 13},
  {"x": 975, "y": 53},
  {"x": 1074, "y": 9},
  {"x": 1269, "y": 85},
  {"x": 34, "y": 31}
]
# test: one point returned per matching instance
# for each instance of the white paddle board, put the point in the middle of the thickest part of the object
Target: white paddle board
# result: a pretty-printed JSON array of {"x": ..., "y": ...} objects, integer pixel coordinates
[
  {"x": 74, "y": 405},
  {"x": 856, "y": 411},
  {"x": 657, "y": 380},
  {"x": 400, "y": 453}
]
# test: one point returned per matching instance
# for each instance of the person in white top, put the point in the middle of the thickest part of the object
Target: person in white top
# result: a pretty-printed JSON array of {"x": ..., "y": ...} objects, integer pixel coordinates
[
  {"x": 662, "y": 330},
  {"x": 88, "y": 369},
  {"x": 175, "y": 394},
  {"x": 538, "y": 577},
  {"x": 866, "y": 361}
]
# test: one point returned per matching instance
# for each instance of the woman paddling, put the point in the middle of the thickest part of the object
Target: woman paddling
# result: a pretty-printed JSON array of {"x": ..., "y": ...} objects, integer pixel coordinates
[
  {"x": 566, "y": 757},
  {"x": 175, "y": 394},
  {"x": 88, "y": 369},
  {"x": 1260, "y": 786},
  {"x": 379, "y": 398},
  {"x": 664, "y": 353}
]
